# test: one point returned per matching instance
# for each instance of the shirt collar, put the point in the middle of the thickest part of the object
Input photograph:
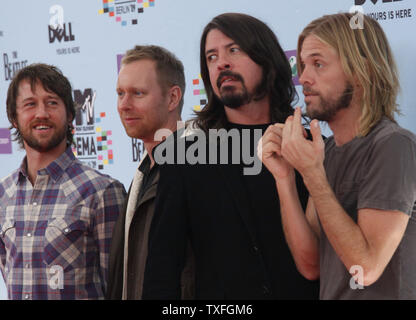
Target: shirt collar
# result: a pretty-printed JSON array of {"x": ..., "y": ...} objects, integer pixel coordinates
[{"x": 55, "y": 169}]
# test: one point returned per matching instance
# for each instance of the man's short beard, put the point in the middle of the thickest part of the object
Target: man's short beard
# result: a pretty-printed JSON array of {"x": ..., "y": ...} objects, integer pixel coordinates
[
  {"x": 228, "y": 96},
  {"x": 330, "y": 108},
  {"x": 55, "y": 140},
  {"x": 234, "y": 100}
]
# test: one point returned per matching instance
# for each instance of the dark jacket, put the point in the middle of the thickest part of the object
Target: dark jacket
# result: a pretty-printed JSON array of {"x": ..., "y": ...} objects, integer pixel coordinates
[
  {"x": 137, "y": 250},
  {"x": 210, "y": 205}
]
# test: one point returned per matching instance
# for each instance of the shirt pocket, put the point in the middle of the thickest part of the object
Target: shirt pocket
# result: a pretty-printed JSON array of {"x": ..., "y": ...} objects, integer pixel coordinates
[{"x": 65, "y": 243}]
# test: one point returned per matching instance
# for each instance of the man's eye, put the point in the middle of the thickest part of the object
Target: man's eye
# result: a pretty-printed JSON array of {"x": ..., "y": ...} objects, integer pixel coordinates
[
  {"x": 211, "y": 57},
  {"x": 27, "y": 105},
  {"x": 235, "y": 49}
]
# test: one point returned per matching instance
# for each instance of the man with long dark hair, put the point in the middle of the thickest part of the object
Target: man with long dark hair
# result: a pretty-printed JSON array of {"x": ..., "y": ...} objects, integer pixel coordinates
[{"x": 228, "y": 214}]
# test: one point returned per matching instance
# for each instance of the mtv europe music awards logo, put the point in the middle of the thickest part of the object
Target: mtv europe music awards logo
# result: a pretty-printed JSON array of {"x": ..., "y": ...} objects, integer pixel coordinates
[
  {"x": 93, "y": 143},
  {"x": 125, "y": 11}
]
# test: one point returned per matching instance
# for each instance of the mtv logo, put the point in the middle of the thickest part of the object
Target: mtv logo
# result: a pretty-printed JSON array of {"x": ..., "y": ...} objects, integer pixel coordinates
[{"x": 86, "y": 101}]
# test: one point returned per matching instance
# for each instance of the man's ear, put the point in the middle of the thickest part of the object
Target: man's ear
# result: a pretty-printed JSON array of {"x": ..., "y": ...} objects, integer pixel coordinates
[{"x": 175, "y": 96}]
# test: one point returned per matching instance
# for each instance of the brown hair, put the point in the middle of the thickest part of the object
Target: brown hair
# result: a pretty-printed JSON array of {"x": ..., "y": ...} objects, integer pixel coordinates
[
  {"x": 365, "y": 55},
  {"x": 52, "y": 80}
]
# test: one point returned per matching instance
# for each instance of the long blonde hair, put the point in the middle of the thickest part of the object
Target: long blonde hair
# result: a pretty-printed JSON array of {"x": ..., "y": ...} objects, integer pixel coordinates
[{"x": 365, "y": 56}]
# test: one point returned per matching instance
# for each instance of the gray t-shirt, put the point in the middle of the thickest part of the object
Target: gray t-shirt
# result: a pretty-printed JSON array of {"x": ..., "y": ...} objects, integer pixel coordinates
[{"x": 379, "y": 172}]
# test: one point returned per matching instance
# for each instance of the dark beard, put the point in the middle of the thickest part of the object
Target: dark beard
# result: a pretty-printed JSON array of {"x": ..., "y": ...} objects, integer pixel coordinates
[
  {"x": 330, "y": 108},
  {"x": 52, "y": 143},
  {"x": 228, "y": 96}
]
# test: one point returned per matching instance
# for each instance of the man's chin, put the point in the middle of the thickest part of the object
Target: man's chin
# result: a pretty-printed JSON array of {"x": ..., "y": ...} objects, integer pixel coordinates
[
  {"x": 43, "y": 146},
  {"x": 234, "y": 101}
]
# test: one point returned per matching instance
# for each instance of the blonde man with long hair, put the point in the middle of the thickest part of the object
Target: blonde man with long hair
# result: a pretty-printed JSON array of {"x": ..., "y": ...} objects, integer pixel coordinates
[{"x": 358, "y": 233}]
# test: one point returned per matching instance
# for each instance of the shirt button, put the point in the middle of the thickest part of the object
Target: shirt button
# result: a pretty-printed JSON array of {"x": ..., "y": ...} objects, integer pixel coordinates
[
  {"x": 67, "y": 230},
  {"x": 29, "y": 234},
  {"x": 27, "y": 265},
  {"x": 27, "y": 296},
  {"x": 35, "y": 203}
]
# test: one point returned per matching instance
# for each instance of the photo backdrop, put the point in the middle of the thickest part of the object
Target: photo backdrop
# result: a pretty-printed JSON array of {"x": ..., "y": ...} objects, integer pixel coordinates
[{"x": 94, "y": 34}]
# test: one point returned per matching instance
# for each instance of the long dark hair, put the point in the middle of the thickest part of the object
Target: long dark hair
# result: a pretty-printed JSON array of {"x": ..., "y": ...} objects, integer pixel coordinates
[{"x": 260, "y": 43}]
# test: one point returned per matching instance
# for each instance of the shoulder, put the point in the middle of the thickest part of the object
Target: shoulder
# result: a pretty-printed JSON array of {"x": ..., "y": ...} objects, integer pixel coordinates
[
  {"x": 86, "y": 177},
  {"x": 390, "y": 134}
]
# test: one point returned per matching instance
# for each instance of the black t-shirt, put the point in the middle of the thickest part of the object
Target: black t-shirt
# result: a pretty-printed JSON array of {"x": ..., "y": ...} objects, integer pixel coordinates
[{"x": 287, "y": 282}]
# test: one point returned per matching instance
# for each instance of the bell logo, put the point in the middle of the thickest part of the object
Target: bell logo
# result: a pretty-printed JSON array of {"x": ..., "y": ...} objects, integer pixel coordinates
[{"x": 361, "y": 2}]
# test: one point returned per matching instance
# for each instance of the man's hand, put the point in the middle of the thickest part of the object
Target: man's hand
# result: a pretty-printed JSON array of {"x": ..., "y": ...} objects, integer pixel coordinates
[
  {"x": 304, "y": 155},
  {"x": 269, "y": 152}
]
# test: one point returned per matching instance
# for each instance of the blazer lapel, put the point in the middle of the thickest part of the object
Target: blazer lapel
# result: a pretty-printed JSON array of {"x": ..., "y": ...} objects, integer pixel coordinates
[{"x": 151, "y": 193}]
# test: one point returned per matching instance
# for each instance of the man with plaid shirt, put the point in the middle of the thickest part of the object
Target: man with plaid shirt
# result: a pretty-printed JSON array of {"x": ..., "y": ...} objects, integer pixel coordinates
[{"x": 56, "y": 214}]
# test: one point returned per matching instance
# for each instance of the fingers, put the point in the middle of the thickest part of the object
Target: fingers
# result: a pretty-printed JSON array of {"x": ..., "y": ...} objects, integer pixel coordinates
[
  {"x": 297, "y": 127},
  {"x": 271, "y": 141},
  {"x": 316, "y": 133},
  {"x": 273, "y": 135},
  {"x": 305, "y": 134}
]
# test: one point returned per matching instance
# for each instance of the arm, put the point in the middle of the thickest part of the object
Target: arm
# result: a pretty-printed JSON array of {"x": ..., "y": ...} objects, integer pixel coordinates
[
  {"x": 111, "y": 203},
  {"x": 371, "y": 242},
  {"x": 301, "y": 231}
]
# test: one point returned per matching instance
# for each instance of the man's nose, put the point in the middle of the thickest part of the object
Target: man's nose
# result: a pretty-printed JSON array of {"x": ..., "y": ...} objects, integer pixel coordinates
[
  {"x": 124, "y": 102},
  {"x": 42, "y": 111},
  {"x": 306, "y": 77},
  {"x": 224, "y": 63}
]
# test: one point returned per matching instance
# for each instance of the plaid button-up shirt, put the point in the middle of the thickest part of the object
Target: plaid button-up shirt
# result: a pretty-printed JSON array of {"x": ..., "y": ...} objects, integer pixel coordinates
[{"x": 55, "y": 235}]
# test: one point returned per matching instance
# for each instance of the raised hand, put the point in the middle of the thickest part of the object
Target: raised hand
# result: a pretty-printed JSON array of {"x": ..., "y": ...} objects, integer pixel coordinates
[
  {"x": 269, "y": 152},
  {"x": 302, "y": 154}
]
